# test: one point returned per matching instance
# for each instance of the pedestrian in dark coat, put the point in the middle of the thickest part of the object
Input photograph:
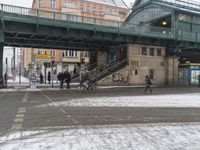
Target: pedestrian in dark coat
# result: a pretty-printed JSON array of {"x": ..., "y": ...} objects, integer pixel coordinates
[
  {"x": 67, "y": 77},
  {"x": 49, "y": 77},
  {"x": 148, "y": 84},
  {"x": 41, "y": 78},
  {"x": 61, "y": 79},
  {"x": 74, "y": 71},
  {"x": 199, "y": 80},
  {"x": 6, "y": 79}
]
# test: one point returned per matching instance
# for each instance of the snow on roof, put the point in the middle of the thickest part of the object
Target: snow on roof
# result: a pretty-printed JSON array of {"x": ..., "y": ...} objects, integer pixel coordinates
[
  {"x": 118, "y": 3},
  {"x": 182, "y": 3}
]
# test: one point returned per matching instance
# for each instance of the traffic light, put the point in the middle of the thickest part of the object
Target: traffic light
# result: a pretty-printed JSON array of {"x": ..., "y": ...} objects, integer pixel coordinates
[
  {"x": 53, "y": 60},
  {"x": 6, "y": 60}
]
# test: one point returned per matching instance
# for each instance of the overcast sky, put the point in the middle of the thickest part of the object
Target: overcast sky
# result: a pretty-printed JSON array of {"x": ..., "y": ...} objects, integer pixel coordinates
[{"x": 27, "y": 3}]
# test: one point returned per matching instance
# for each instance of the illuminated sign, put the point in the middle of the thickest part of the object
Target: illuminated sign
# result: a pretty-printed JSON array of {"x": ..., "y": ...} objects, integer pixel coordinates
[{"x": 183, "y": 17}]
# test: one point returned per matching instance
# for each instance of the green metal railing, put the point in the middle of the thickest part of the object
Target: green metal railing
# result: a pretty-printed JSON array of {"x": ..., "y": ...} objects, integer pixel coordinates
[
  {"x": 101, "y": 24},
  {"x": 98, "y": 24}
]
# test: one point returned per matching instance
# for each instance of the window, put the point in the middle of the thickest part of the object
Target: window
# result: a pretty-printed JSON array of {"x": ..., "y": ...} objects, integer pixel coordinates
[
  {"x": 81, "y": 54},
  {"x": 53, "y": 3},
  {"x": 100, "y": 10},
  {"x": 81, "y": 7},
  {"x": 94, "y": 10},
  {"x": 110, "y": 11},
  {"x": 69, "y": 5},
  {"x": 53, "y": 53},
  {"x": 88, "y": 9},
  {"x": 71, "y": 53},
  {"x": 66, "y": 53},
  {"x": 70, "y": 17},
  {"x": 39, "y": 51},
  {"x": 158, "y": 52},
  {"x": 144, "y": 51},
  {"x": 151, "y": 52},
  {"x": 41, "y": 3},
  {"x": 75, "y": 54},
  {"x": 151, "y": 73}
]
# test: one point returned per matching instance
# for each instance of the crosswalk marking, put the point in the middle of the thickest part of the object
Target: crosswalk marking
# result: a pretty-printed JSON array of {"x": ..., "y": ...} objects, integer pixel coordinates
[
  {"x": 18, "y": 121},
  {"x": 22, "y": 110}
]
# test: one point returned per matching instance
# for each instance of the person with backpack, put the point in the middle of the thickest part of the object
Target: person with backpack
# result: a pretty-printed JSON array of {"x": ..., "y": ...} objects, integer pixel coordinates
[{"x": 148, "y": 84}]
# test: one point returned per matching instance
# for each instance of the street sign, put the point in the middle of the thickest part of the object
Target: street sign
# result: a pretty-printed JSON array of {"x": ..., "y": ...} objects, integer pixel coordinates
[{"x": 41, "y": 58}]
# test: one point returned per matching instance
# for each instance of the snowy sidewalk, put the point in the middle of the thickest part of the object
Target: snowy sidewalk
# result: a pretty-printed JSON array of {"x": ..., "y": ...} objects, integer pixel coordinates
[{"x": 175, "y": 136}]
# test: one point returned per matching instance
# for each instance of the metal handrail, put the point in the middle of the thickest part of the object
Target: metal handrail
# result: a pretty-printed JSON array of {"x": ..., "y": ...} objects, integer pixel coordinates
[{"x": 110, "y": 69}]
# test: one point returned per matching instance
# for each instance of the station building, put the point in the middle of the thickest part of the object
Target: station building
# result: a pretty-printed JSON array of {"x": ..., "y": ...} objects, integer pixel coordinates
[{"x": 151, "y": 57}]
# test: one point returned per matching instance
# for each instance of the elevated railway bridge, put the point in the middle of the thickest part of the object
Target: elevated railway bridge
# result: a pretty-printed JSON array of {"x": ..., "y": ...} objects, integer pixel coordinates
[{"x": 162, "y": 23}]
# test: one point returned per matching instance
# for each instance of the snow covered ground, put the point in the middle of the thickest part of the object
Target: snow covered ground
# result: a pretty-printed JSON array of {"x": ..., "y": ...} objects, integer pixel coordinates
[
  {"x": 173, "y": 100},
  {"x": 116, "y": 137},
  {"x": 160, "y": 136}
]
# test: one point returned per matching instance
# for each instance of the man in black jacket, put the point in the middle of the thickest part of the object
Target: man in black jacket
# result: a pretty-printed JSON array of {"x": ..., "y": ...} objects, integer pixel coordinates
[{"x": 148, "y": 84}]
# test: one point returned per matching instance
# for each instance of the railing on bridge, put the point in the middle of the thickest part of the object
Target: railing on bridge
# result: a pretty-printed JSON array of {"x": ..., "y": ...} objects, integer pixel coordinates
[
  {"x": 120, "y": 27},
  {"x": 107, "y": 25}
]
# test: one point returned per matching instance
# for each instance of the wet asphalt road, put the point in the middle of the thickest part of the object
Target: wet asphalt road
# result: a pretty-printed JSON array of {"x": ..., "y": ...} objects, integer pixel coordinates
[{"x": 19, "y": 110}]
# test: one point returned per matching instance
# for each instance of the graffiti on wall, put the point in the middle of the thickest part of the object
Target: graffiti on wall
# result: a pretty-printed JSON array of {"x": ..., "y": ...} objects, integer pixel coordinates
[{"x": 119, "y": 77}]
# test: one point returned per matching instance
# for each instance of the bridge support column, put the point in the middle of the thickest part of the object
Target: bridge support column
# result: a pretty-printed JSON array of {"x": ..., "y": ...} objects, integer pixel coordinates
[
  {"x": 102, "y": 60},
  {"x": 1, "y": 64},
  {"x": 172, "y": 70},
  {"x": 1, "y": 56}
]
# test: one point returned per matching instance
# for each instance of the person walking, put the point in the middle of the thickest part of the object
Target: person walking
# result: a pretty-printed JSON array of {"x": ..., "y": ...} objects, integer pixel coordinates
[
  {"x": 49, "y": 77},
  {"x": 199, "y": 80},
  {"x": 6, "y": 79},
  {"x": 41, "y": 78},
  {"x": 148, "y": 84},
  {"x": 61, "y": 79},
  {"x": 74, "y": 71},
  {"x": 67, "y": 77}
]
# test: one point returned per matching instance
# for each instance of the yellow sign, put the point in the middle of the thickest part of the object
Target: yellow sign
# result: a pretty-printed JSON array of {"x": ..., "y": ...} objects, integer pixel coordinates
[{"x": 42, "y": 56}]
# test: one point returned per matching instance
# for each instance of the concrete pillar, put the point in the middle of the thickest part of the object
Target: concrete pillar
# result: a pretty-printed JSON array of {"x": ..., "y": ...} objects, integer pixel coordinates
[
  {"x": 172, "y": 71},
  {"x": 1, "y": 52},
  {"x": 1, "y": 60},
  {"x": 102, "y": 60}
]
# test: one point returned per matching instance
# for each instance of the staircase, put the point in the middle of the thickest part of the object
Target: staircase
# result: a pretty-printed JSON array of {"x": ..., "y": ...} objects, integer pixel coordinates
[
  {"x": 110, "y": 70},
  {"x": 89, "y": 68}
]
